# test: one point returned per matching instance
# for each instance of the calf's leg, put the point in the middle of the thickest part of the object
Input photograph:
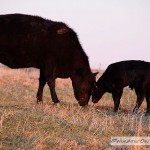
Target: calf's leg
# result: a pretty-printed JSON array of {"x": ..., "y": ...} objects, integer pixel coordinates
[
  {"x": 140, "y": 99},
  {"x": 148, "y": 101},
  {"x": 148, "y": 104},
  {"x": 116, "y": 94}
]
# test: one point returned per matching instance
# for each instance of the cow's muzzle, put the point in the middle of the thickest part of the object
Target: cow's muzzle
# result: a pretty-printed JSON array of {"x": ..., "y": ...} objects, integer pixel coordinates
[{"x": 82, "y": 102}]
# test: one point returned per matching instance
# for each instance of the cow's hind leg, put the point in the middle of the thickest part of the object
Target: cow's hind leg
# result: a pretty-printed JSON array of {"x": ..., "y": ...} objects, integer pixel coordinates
[
  {"x": 140, "y": 98},
  {"x": 116, "y": 97},
  {"x": 42, "y": 82},
  {"x": 51, "y": 84}
]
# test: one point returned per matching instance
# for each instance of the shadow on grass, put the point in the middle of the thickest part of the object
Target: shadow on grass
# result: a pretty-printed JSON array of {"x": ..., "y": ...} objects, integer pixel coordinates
[{"x": 109, "y": 110}]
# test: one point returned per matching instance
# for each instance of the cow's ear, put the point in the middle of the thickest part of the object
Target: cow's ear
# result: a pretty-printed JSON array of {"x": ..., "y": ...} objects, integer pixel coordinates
[
  {"x": 80, "y": 72},
  {"x": 95, "y": 74}
]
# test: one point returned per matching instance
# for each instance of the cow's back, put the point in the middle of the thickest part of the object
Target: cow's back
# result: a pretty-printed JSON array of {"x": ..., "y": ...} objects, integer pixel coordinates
[
  {"x": 18, "y": 40},
  {"x": 31, "y": 41}
]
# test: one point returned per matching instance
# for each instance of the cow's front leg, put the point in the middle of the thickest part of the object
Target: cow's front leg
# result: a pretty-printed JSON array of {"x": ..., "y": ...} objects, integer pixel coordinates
[
  {"x": 42, "y": 82},
  {"x": 51, "y": 84},
  {"x": 116, "y": 94}
]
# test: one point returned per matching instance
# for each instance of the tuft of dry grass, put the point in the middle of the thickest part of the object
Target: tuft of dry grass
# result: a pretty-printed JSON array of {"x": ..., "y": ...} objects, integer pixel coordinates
[{"x": 26, "y": 125}]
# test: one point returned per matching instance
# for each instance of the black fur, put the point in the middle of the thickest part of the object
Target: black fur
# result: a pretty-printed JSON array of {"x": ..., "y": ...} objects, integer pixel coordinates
[
  {"x": 133, "y": 73},
  {"x": 53, "y": 47}
]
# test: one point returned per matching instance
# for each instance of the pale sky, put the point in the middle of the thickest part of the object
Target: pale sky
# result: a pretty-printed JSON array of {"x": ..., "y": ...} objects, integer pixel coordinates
[{"x": 109, "y": 30}]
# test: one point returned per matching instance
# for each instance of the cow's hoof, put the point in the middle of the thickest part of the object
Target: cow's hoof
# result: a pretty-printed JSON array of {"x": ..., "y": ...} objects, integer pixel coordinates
[
  {"x": 115, "y": 110},
  {"x": 39, "y": 97},
  {"x": 133, "y": 113},
  {"x": 39, "y": 102},
  {"x": 135, "y": 110},
  {"x": 147, "y": 113},
  {"x": 57, "y": 104}
]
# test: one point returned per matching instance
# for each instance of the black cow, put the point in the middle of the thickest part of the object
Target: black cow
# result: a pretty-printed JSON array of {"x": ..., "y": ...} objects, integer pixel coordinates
[
  {"x": 133, "y": 73},
  {"x": 53, "y": 47}
]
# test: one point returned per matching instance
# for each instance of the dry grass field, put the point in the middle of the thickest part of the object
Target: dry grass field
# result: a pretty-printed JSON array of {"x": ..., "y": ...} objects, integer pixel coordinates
[{"x": 26, "y": 125}]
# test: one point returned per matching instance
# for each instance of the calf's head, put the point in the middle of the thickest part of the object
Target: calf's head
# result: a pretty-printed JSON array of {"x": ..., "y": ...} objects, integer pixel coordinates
[{"x": 97, "y": 94}]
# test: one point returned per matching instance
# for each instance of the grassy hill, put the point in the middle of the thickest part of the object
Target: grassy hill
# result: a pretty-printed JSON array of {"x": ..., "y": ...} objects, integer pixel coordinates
[{"x": 26, "y": 125}]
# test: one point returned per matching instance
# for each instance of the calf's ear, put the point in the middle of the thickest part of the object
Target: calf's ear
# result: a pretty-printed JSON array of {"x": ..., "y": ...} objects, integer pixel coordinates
[{"x": 94, "y": 88}]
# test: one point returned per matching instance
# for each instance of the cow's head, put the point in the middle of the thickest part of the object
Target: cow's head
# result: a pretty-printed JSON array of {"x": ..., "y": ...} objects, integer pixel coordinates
[{"x": 84, "y": 84}]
